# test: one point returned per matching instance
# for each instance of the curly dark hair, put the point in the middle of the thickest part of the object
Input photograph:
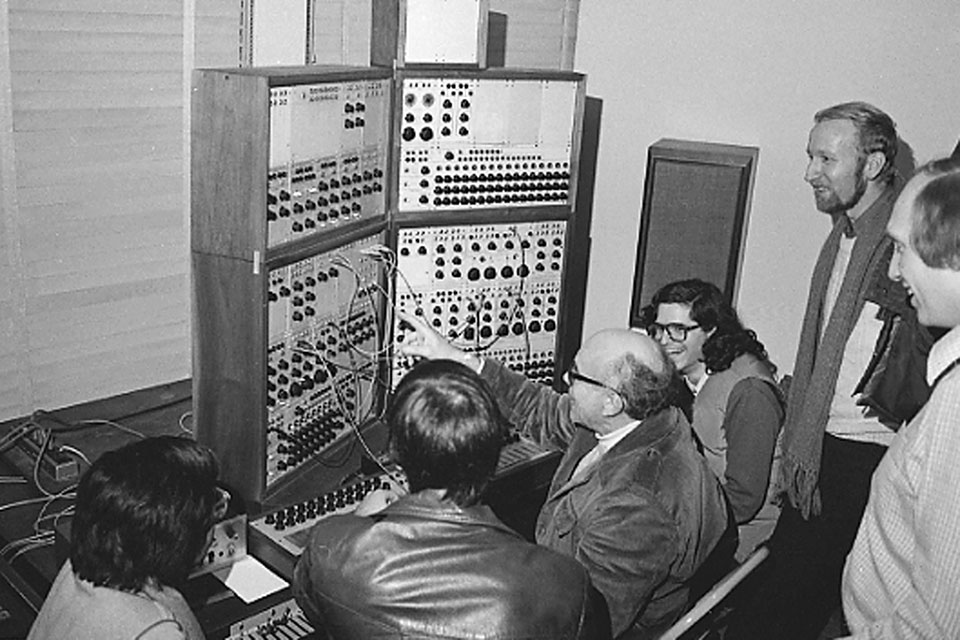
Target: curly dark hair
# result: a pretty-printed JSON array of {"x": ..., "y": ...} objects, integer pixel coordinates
[
  {"x": 143, "y": 514},
  {"x": 446, "y": 430},
  {"x": 710, "y": 310}
]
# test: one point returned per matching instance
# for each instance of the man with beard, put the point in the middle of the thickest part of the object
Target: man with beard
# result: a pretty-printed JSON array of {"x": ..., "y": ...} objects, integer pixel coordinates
[{"x": 854, "y": 380}]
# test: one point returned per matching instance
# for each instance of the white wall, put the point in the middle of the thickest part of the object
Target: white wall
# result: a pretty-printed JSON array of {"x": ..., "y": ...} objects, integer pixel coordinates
[{"x": 753, "y": 72}]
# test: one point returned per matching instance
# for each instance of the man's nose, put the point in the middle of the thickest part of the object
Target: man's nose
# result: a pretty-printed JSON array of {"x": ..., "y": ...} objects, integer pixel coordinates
[{"x": 893, "y": 271}]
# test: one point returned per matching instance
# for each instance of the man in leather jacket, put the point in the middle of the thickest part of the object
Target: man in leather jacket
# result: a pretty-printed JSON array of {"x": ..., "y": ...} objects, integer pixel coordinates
[
  {"x": 632, "y": 500},
  {"x": 436, "y": 563}
]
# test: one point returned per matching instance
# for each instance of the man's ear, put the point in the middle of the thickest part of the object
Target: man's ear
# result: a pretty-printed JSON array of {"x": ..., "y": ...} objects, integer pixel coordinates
[
  {"x": 614, "y": 404},
  {"x": 874, "y": 165}
]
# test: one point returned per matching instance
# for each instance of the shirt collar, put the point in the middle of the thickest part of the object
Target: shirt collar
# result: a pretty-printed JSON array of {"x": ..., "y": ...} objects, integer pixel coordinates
[
  {"x": 608, "y": 441},
  {"x": 696, "y": 388},
  {"x": 943, "y": 354}
]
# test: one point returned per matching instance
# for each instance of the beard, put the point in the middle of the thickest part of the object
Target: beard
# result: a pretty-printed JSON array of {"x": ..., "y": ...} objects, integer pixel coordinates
[{"x": 831, "y": 202}]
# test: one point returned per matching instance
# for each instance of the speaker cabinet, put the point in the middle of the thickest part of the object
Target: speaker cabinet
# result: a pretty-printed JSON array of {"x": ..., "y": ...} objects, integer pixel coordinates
[
  {"x": 429, "y": 32},
  {"x": 695, "y": 203}
]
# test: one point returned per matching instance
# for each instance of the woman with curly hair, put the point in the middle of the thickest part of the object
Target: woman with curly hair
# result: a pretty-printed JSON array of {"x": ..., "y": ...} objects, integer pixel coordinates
[{"x": 737, "y": 408}]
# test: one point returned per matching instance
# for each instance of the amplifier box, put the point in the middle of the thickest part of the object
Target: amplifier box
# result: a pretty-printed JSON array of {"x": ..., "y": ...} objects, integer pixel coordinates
[{"x": 429, "y": 32}]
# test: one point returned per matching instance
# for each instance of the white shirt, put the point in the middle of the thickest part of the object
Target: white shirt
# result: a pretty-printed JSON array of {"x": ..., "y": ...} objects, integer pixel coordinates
[
  {"x": 605, "y": 442},
  {"x": 847, "y": 419},
  {"x": 902, "y": 577}
]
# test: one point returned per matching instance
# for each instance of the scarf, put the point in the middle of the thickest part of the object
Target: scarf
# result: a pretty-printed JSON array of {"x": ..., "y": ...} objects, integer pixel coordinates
[{"x": 820, "y": 355}]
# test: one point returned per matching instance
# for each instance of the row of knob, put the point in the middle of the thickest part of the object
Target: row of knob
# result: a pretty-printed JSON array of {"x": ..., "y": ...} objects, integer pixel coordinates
[
  {"x": 287, "y": 626},
  {"x": 291, "y": 379},
  {"x": 476, "y": 246},
  {"x": 454, "y": 201},
  {"x": 333, "y": 502},
  {"x": 537, "y": 369},
  {"x": 453, "y": 173},
  {"x": 446, "y": 117},
  {"x": 309, "y": 440},
  {"x": 490, "y": 273},
  {"x": 428, "y": 100},
  {"x": 426, "y": 134},
  {"x": 499, "y": 188}
]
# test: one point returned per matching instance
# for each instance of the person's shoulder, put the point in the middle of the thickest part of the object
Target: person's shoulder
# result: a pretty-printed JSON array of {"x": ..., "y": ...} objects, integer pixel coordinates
[
  {"x": 338, "y": 528},
  {"x": 164, "y": 630},
  {"x": 553, "y": 563},
  {"x": 752, "y": 386}
]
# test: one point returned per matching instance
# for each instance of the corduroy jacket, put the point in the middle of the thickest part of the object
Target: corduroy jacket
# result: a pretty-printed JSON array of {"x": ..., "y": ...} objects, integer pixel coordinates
[{"x": 642, "y": 521}]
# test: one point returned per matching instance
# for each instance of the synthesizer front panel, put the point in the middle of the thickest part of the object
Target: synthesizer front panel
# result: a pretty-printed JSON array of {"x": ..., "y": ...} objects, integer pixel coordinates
[
  {"x": 325, "y": 342},
  {"x": 326, "y": 199},
  {"x": 328, "y": 156},
  {"x": 478, "y": 142},
  {"x": 285, "y": 620},
  {"x": 278, "y": 537},
  {"x": 493, "y": 289}
]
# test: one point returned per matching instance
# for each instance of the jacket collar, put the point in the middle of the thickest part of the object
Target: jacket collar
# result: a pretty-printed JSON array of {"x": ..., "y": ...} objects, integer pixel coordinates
[
  {"x": 651, "y": 431},
  {"x": 429, "y": 504}
]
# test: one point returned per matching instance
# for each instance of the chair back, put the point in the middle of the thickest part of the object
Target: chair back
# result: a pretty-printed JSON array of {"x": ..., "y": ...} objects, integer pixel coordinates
[{"x": 712, "y": 598}]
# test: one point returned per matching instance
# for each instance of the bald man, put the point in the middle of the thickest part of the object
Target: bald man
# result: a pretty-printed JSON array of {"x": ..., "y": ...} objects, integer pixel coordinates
[{"x": 631, "y": 499}]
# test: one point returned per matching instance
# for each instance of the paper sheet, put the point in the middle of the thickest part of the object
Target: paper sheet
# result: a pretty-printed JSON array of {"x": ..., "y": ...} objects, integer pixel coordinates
[{"x": 250, "y": 580}]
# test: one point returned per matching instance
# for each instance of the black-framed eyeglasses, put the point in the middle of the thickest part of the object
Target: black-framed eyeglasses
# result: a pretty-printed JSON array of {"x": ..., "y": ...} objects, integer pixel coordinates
[
  {"x": 223, "y": 504},
  {"x": 674, "y": 330},
  {"x": 572, "y": 374}
]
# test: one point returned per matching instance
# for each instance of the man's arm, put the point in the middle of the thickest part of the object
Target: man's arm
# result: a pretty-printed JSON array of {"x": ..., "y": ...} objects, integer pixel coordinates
[
  {"x": 537, "y": 410},
  {"x": 930, "y": 477},
  {"x": 752, "y": 423}
]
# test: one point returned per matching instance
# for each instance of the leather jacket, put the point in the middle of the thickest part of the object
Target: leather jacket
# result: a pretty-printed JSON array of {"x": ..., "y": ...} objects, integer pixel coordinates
[
  {"x": 427, "y": 568},
  {"x": 894, "y": 384}
]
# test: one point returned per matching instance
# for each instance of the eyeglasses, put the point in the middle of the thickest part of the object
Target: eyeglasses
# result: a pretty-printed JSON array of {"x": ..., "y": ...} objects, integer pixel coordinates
[
  {"x": 572, "y": 374},
  {"x": 222, "y": 505},
  {"x": 674, "y": 330}
]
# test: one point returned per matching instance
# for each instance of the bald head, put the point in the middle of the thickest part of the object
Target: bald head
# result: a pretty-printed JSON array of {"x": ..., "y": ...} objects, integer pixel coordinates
[
  {"x": 606, "y": 348},
  {"x": 635, "y": 365}
]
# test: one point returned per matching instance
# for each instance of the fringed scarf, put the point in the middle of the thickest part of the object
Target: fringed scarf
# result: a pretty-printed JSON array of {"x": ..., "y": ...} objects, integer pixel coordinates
[{"x": 819, "y": 356}]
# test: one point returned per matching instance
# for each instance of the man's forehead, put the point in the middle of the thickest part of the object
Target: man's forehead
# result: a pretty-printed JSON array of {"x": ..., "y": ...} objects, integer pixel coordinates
[
  {"x": 607, "y": 346},
  {"x": 834, "y": 133},
  {"x": 901, "y": 220}
]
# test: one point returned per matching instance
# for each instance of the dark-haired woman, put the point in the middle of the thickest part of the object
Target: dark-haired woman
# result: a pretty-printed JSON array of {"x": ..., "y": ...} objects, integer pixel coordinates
[
  {"x": 737, "y": 409},
  {"x": 143, "y": 518}
]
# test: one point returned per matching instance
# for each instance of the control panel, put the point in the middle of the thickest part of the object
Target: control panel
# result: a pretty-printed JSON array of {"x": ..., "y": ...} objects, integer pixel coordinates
[
  {"x": 475, "y": 142},
  {"x": 285, "y": 620},
  {"x": 278, "y": 537},
  {"x": 493, "y": 289},
  {"x": 284, "y": 533},
  {"x": 227, "y": 545},
  {"x": 325, "y": 337},
  {"x": 328, "y": 156}
]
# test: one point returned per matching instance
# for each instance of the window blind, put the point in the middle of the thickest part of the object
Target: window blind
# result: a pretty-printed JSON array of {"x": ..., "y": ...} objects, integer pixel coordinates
[{"x": 95, "y": 294}]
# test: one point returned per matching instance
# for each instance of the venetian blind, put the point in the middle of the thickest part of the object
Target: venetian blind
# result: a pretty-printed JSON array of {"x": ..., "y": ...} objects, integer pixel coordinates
[{"x": 95, "y": 293}]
